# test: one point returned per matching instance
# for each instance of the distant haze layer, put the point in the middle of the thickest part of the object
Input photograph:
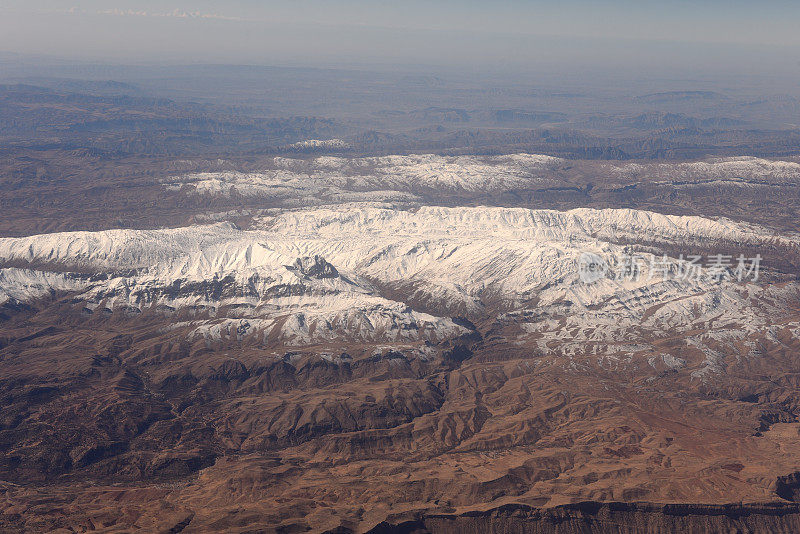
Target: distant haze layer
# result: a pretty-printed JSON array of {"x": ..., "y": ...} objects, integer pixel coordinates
[{"x": 724, "y": 37}]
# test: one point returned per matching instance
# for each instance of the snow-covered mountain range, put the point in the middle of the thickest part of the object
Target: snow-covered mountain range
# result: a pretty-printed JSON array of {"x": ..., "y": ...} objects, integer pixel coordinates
[
  {"x": 410, "y": 178},
  {"x": 374, "y": 274}
]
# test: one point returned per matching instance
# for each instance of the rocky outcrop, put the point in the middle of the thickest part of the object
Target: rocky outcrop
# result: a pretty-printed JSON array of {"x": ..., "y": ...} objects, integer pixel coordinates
[{"x": 607, "y": 518}]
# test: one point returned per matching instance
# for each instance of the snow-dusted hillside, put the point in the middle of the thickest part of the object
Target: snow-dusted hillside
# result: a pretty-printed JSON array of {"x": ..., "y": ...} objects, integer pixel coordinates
[
  {"x": 320, "y": 143},
  {"x": 733, "y": 168},
  {"x": 334, "y": 180},
  {"x": 390, "y": 178}
]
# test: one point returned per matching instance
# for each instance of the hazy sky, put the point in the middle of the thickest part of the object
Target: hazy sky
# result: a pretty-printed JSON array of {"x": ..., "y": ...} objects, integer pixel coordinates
[{"x": 714, "y": 33}]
